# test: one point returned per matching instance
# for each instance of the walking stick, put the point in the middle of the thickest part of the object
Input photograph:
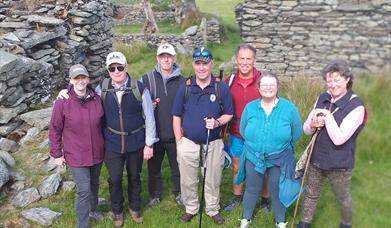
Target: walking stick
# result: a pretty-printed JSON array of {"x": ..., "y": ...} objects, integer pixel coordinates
[
  {"x": 203, "y": 180},
  {"x": 304, "y": 174}
]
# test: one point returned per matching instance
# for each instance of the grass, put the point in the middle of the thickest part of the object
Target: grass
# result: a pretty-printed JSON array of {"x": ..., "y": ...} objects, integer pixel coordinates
[{"x": 165, "y": 27}]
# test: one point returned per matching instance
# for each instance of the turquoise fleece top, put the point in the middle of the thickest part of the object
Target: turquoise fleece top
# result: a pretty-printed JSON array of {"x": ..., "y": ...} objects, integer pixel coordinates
[{"x": 265, "y": 136}]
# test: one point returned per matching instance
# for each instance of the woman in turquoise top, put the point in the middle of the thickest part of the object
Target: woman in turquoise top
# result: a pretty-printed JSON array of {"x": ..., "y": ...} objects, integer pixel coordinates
[{"x": 270, "y": 126}]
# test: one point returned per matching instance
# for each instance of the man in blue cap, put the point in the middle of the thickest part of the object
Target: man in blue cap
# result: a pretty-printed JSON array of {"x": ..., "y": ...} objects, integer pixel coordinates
[{"x": 200, "y": 106}]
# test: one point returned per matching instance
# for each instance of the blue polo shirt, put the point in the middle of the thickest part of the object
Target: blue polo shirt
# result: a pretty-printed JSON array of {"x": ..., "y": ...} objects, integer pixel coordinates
[{"x": 201, "y": 103}]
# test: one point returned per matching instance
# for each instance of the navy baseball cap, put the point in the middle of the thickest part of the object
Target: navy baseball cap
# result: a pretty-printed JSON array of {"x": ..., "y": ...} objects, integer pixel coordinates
[{"x": 202, "y": 54}]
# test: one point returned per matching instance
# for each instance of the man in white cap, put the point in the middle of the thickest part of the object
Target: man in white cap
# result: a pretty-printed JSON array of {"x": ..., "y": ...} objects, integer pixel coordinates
[
  {"x": 129, "y": 134},
  {"x": 163, "y": 83}
]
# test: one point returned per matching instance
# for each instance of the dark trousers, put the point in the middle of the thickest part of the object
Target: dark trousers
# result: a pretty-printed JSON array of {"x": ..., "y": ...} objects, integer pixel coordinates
[
  {"x": 87, "y": 187},
  {"x": 155, "y": 166},
  {"x": 115, "y": 165}
]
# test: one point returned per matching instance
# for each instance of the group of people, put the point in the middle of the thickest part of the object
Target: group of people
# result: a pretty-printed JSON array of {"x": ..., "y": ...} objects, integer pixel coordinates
[{"x": 125, "y": 121}]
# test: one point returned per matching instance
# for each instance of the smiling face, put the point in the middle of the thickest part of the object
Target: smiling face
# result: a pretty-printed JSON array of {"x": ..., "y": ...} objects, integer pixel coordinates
[
  {"x": 80, "y": 83},
  {"x": 245, "y": 60},
  {"x": 202, "y": 69},
  {"x": 166, "y": 62},
  {"x": 268, "y": 87},
  {"x": 336, "y": 84},
  {"x": 117, "y": 73}
]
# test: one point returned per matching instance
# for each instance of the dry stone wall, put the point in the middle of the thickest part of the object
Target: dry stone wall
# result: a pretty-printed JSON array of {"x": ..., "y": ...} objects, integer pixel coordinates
[
  {"x": 299, "y": 37},
  {"x": 37, "y": 48},
  {"x": 134, "y": 14}
]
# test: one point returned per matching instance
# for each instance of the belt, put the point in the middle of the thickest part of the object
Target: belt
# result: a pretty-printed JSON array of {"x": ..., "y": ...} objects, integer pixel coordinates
[{"x": 124, "y": 132}]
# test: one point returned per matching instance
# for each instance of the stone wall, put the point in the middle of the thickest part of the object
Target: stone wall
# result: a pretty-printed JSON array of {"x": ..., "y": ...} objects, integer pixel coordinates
[
  {"x": 194, "y": 36},
  {"x": 38, "y": 47},
  {"x": 300, "y": 37},
  {"x": 134, "y": 14}
]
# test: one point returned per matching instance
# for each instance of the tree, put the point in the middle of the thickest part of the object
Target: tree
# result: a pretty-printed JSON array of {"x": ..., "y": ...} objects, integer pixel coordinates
[
  {"x": 186, "y": 12},
  {"x": 150, "y": 25}
]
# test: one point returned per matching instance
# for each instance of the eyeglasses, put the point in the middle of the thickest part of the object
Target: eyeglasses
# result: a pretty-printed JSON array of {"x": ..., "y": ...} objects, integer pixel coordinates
[
  {"x": 199, "y": 53},
  {"x": 119, "y": 68}
]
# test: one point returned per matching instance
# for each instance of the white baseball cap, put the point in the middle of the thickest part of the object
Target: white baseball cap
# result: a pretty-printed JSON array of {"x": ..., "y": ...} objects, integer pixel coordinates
[
  {"x": 166, "y": 48},
  {"x": 115, "y": 57}
]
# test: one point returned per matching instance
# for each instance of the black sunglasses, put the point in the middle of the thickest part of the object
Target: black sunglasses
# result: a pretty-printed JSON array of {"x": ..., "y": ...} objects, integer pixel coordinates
[
  {"x": 119, "y": 68},
  {"x": 203, "y": 54}
]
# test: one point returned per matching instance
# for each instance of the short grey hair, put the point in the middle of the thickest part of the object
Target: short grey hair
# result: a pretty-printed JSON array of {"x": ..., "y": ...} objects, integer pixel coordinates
[
  {"x": 341, "y": 67},
  {"x": 245, "y": 46},
  {"x": 268, "y": 74}
]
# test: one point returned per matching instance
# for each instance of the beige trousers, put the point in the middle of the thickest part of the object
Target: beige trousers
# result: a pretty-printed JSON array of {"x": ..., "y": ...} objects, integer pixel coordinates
[{"x": 188, "y": 156}]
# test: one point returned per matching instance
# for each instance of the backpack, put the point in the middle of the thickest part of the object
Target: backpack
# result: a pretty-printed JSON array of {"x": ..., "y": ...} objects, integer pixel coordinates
[
  {"x": 217, "y": 91},
  {"x": 133, "y": 87},
  {"x": 152, "y": 85}
]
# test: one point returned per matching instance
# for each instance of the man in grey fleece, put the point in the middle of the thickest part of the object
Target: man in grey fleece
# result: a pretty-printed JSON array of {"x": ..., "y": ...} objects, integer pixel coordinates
[{"x": 163, "y": 82}]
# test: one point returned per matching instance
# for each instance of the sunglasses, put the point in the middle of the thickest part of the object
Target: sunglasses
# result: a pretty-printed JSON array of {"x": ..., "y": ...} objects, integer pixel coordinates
[
  {"x": 199, "y": 53},
  {"x": 119, "y": 68}
]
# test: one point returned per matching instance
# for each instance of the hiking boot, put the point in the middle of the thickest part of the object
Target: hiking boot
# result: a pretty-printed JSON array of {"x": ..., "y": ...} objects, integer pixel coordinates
[
  {"x": 153, "y": 202},
  {"x": 98, "y": 216},
  {"x": 281, "y": 224},
  {"x": 235, "y": 201},
  {"x": 179, "y": 202},
  {"x": 218, "y": 219},
  {"x": 303, "y": 225},
  {"x": 118, "y": 220},
  {"x": 136, "y": 216},
  {"x": 245, "y": 223},
  {"x": 265, "y": 204},
  {"x": 186, "y": 217}
]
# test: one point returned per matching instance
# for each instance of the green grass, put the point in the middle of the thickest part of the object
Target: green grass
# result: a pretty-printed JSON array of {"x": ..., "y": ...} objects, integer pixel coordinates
[
  {"x": 222, "y": 9},
  {"x": 165, "y": 27}
]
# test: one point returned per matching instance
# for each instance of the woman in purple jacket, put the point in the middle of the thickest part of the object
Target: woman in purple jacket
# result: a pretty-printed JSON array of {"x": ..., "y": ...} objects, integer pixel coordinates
[{"x": 76, "y": 140}]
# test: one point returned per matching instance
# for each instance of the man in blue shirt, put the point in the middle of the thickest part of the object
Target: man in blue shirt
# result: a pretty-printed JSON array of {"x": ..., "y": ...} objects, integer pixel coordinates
[{"x": 197, "y": 108}]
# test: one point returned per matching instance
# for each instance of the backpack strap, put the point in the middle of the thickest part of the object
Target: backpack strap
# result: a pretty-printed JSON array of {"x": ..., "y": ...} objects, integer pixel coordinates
[
  {"x": 187, "y": 90},
  {"x": 152, "y": 84},
  {"x": 104, "y": 86},
  {"x": 218, "y": 95},
  {"x": 135, "y": 89}
]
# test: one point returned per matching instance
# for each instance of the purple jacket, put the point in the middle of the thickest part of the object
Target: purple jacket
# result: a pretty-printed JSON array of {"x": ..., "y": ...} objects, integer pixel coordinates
[{"x": 75, "y": 130}]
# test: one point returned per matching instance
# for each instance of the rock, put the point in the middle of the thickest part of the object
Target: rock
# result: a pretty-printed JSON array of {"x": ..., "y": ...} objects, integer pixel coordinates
[
  {"x": 40, "y": 215},
  {"x": 38, "y": 118},
  {"x": 11, "y": 37},
  {"x": 41, "y": 37},
  {"x": 68, "y": 186},
  {"x": 8, "y": 128},
  {"x": 13, "y": 94},
  {"x": 17, "y": 186},
  {"x": 26, "y": 197},
  {"x": 4, "y": 173},
  {"x": 50, "y": 165},
  {"x": 7, "y": 158},
  {"x": 7, "y": 61},
  {"x": 8, "y": 145},
  {"x": 44, "y": 20},
  {"x": 31, "y": 133},
  {"x": 49, "y": 185},
  {"x": 14, "y": 25},
  {"x": 40, "y": 157},
  {"x": 102, "y": 201},
  {"x": 44, "y": 144},
  {"x": 191, "y": 31},
  {"x": 41, "y": 53},
  {"x": 17, "y": 176},
  {"x": 6, "y": 114}
]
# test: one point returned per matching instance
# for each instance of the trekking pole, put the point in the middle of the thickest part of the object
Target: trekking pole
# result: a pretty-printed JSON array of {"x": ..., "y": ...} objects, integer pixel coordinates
[
  {"x": 304, "y": 175},
  {"x": 203, "y": 179}
]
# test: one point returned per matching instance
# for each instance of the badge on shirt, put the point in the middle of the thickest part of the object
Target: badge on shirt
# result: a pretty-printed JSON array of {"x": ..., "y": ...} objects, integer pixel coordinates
[{"x": 212, "y": 97}]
